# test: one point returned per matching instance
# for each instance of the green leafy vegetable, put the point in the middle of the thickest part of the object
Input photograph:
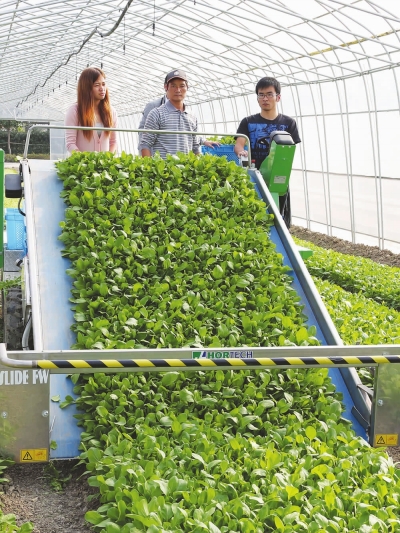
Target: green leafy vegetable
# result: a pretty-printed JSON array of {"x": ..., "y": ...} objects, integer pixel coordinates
[
  {"x": 173, "y": 253},
  {"x": 356, "y": 274}
]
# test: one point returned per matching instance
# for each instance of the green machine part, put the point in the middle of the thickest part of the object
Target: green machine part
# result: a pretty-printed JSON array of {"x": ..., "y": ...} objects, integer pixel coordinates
[{"x": 276, "y": 168}]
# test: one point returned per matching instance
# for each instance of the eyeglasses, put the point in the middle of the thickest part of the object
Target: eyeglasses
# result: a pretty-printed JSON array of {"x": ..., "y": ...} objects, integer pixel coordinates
[{"x": 268, "y": 95}]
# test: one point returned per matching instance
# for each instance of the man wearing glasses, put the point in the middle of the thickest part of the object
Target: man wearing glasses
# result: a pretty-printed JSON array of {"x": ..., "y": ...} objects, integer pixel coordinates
[{"x": 262, "y": 124}]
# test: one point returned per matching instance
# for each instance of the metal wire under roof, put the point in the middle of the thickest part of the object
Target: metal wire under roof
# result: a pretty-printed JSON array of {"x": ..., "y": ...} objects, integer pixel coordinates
[{"x": 225, "y": 46}]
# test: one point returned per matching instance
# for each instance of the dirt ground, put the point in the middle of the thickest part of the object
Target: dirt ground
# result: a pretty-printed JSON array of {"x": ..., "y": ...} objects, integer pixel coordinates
[
  {"x": 29, "y": 494},
  {"x": 31, "y": 498}
]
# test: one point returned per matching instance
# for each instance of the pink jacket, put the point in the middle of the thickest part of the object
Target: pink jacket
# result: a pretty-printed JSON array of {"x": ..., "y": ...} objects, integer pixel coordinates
[{"x": 75, "y": 140}]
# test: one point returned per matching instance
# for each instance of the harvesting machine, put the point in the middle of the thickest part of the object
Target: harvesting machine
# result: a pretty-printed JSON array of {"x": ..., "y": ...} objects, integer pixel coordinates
[{"x": 35, "y": 359}]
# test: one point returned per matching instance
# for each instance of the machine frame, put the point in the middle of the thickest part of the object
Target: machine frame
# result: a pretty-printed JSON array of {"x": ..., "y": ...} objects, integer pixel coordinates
[{"x": 29, "y": 420}]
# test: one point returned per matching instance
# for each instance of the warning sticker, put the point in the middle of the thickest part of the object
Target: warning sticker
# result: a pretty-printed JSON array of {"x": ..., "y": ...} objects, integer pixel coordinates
[
  {"x": 386, "y": 440},
  {"x": 31, "y": 456}
]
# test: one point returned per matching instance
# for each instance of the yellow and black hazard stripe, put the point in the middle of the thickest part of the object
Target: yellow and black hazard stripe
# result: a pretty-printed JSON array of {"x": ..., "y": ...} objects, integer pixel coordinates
[{"x": 218, "y": 363}]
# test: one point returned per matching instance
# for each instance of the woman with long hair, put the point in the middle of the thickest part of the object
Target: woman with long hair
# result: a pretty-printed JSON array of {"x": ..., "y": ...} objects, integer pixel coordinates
[{"x": 92, "y": 109}]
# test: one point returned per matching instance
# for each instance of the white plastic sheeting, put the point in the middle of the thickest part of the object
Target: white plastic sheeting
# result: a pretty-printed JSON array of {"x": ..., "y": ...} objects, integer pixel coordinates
[{"x": 338, "y": 63}]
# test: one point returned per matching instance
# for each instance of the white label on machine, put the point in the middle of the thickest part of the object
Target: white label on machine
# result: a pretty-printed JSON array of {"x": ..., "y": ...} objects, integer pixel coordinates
[
  {"x": 232, "y": 354},
  {"x": 24, "y": 377},
  {"x": 279, "y": 179}
]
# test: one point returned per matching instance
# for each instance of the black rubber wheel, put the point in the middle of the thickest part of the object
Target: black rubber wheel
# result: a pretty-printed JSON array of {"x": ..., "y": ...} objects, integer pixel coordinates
[
  {"x": 285, "y": 209},
  {"x": 13, "y": 323}
]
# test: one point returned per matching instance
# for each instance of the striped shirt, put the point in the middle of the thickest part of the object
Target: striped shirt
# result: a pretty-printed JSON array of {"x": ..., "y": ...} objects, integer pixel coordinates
[{"x": 167, "y": 117}]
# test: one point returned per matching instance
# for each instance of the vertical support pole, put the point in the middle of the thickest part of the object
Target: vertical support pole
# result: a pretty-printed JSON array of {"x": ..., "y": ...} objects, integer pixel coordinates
[{"x": 1, "y": 208}]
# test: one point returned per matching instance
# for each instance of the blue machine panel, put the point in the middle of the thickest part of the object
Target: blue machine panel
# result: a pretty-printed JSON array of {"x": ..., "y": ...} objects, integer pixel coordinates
[{"x": 54, "y": 293}]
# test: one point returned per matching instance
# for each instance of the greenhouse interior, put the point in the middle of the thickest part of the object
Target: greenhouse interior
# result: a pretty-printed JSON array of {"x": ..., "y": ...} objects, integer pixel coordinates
[
  {"x": 177, "y": 354},
  {"x": 337, "y": 62}
]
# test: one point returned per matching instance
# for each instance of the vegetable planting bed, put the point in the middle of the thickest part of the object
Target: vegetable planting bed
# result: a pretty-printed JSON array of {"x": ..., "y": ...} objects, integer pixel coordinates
[
  {"x": 362, "y": 297},
  {"x": 384, "y": 257}
]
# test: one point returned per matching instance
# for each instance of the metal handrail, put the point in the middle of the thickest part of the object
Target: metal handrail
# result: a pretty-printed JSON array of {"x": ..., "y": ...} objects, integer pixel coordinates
[{"x": 130, "y": 360}]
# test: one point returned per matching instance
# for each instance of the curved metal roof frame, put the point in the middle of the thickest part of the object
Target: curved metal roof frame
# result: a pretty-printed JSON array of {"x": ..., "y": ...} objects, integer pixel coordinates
[{"x": 224, "y": 46}]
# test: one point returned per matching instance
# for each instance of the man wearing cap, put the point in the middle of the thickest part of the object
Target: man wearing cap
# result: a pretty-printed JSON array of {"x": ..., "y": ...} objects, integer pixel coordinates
[{"x": 171, "y": 116}]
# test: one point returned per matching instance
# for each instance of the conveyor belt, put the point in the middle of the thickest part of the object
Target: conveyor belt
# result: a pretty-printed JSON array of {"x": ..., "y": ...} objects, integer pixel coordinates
[{"x": 50, "y": 286}]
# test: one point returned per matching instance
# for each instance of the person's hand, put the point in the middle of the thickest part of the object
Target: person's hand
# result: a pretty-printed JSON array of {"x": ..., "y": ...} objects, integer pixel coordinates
[
  {"x": 243, "y": 153},
  {"x": 211, "y": 144}
]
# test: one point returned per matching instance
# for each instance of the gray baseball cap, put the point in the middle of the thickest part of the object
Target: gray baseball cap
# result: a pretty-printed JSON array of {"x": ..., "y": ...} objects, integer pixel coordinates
[{"x": 176, "y": 74}]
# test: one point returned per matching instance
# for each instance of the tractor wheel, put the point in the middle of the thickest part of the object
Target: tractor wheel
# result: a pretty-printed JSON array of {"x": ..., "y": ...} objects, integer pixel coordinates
[{"x": 12, "y": 314}]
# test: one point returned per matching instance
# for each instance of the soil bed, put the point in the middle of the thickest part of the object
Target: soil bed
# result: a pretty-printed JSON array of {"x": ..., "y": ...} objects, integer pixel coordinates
[{"x": 31, "y": 498}]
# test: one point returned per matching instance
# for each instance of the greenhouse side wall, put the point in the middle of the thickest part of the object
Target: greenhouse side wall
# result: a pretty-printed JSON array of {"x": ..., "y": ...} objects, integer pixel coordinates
[{"x": 346, "y": 177}]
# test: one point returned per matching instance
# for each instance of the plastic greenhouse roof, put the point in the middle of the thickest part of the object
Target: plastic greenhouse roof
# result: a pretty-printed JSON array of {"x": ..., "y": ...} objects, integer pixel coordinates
[{"x": 225, "y": 46}]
